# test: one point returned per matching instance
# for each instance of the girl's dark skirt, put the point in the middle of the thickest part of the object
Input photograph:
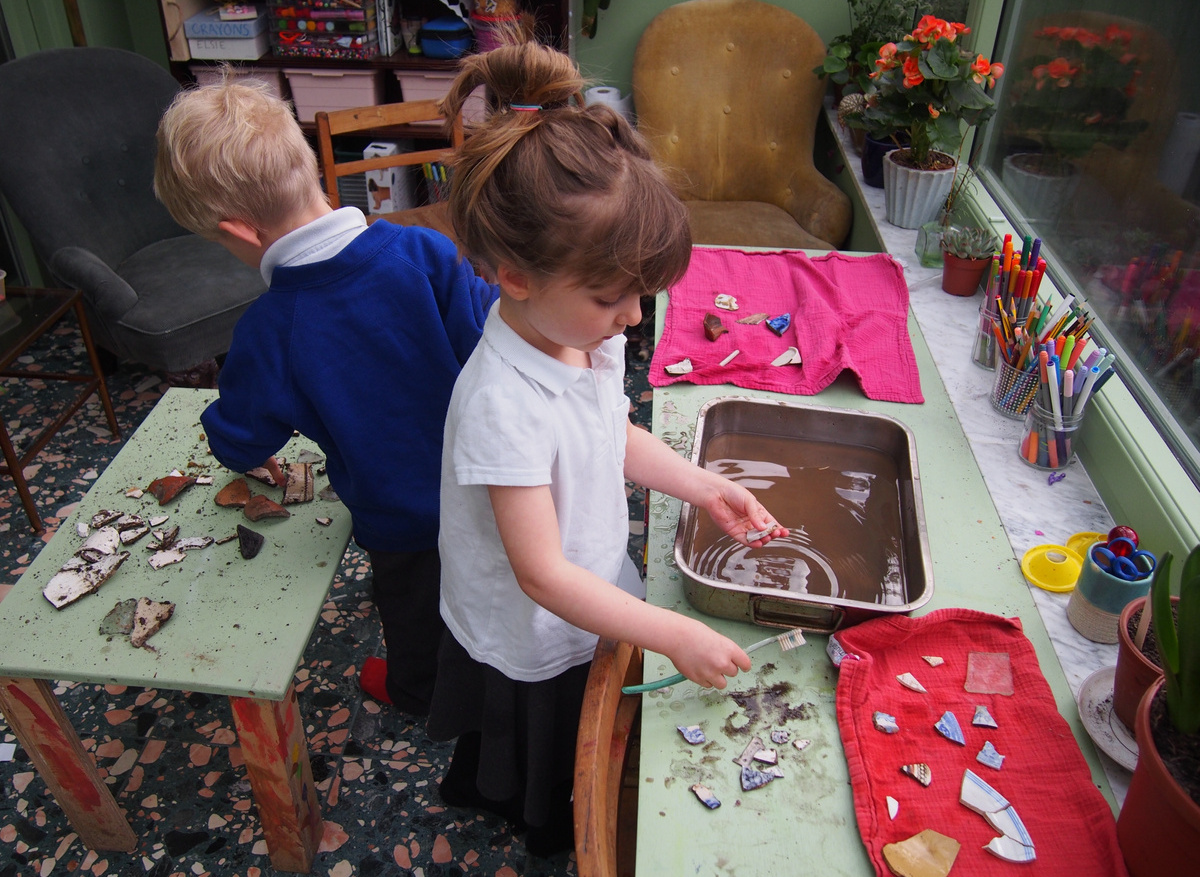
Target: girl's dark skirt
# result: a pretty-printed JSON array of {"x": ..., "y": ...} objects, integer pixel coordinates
[{"x": 517, "y": 739}]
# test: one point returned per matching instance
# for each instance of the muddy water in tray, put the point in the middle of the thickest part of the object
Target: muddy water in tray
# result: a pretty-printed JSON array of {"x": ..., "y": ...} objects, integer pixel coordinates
[{"x": 841, "y": 504}]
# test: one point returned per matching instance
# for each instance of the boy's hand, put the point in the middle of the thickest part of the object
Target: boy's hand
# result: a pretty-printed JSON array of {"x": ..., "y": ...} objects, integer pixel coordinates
[
  {"x": 706, "y": 657},
  {"x": 272, "y": 466},
  {"x": 736, "y": 511}
]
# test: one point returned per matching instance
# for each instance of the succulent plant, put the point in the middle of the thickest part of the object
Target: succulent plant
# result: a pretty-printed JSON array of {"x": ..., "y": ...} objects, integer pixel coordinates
[
  {"x": 1179, "y": 640},
  {"x": 970, "y": 242}
]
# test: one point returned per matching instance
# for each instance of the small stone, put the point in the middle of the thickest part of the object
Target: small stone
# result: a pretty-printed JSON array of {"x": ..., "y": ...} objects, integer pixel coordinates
[
  {"x": 249, "y": 542},
  {"x": 713, "y": 327}
]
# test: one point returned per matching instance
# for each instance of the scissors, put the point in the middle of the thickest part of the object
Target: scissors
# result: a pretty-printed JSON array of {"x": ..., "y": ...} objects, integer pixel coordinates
[{"x": 1121, "y": 558}]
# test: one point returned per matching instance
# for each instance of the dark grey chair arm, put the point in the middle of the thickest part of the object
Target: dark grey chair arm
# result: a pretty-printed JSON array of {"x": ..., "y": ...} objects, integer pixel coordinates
[{"x": 103, "y": 289}]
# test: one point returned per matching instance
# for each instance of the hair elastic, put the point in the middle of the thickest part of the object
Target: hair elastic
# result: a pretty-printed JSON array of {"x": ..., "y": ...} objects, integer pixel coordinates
[{"x": 525, "y": 108}]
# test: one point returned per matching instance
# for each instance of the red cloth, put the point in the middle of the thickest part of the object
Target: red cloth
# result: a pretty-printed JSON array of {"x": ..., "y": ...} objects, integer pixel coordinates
[
  {"x": 848, "y": 312},
  {"x": 1044, "y": 775}
]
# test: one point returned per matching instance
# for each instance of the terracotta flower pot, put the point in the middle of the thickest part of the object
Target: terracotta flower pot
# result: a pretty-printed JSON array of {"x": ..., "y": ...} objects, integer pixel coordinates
[
  {"x": 1135, "y": 672},
  {"x": 1159, "y": 825},
  {"x": 962, "y": 276}
]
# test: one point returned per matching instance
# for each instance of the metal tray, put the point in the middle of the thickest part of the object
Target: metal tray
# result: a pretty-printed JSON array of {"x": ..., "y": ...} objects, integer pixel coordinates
[{"x": 844, "y": 482}]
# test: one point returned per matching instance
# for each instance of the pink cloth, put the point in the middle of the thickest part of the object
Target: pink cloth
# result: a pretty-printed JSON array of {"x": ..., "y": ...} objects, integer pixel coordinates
[
  {"x": 848, "y": 312},
  {"x": 1044, "y": 775}
]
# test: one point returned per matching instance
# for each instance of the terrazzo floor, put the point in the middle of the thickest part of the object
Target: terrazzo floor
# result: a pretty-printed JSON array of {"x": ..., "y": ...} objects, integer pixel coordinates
[{"x": 171, "y": 758}]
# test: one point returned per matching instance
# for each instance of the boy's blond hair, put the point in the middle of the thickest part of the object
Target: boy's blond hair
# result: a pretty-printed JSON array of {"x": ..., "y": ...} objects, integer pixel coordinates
[{"x": 233, "y": 150}]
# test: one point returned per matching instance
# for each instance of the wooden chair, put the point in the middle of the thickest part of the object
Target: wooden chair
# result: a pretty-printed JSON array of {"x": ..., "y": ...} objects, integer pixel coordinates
[
  {"x": 358, "y": 119},
  {"x": 606, "y": 763}
]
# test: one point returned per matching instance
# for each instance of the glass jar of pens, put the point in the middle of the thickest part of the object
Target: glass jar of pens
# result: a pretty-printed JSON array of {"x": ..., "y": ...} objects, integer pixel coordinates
[{"x": 1054, "y": 418}]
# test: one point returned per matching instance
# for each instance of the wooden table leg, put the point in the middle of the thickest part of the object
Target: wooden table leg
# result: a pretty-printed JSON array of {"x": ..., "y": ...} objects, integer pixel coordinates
[
  {"x": 271, "y": 734},
  {"x": 38, "y": 720},
  {"x": 101, "y": 386},
  {"x": 16, "y": 470}
]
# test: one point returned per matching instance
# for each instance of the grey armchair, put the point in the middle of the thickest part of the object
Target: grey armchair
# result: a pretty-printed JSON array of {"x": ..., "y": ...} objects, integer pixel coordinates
[{"x": 77, "y": 166}]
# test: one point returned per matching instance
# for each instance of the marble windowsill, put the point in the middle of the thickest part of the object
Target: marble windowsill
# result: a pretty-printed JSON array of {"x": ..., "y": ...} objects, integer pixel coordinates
[{"x": 1033, "y": 511}]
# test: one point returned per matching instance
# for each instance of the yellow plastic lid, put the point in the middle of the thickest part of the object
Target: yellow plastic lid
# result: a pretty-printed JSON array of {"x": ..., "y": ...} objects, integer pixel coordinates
[
  {"x": 1081, "y": 542},
  {"x": 1052, "y": 567}
]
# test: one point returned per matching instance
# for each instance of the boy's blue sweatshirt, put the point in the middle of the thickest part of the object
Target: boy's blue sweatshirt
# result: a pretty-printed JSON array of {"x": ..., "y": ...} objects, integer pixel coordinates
[{"x": 358, "y": 353}]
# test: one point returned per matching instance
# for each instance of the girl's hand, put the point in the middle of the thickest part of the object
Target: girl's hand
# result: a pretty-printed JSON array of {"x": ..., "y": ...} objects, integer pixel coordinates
[
  {"x": 706, "y": 657},
  {"x": 736, "y": 511}
]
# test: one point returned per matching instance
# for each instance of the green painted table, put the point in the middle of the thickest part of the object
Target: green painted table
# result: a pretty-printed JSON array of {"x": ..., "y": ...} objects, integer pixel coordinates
[
  {"x": 239, "y": 629},
  {"x": 804, "y": 823}
]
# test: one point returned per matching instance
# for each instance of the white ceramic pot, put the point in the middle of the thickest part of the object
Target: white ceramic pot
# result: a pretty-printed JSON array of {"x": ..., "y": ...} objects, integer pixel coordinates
[
  {"x": 1041, "y": 195},
  {"x": 913, "y": 197}
]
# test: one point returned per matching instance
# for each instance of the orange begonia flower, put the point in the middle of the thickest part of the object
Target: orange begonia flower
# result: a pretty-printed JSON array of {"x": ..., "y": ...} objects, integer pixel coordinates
[
  {"x": 1060, "y": 69},
  {"x": 912, "y": 73},
  {"x": 933, "y": 111},
  {"x": 887, "y": 57}
]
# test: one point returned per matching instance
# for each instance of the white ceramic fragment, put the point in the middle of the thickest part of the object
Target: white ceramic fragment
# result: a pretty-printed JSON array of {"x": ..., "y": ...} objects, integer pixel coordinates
[
  {"x": 909, "y": 681},
  {"x": 194, "y": 543},
  {"x": 920, "y": 771},
  {"x": 774, "y": 770},
  {"x": 78, "y": 579},
  {"x": 1010, "y": 850},
  {"x": 679, "y": 368},
  {"x": 135, "y": 493},
  {"x": 100, "y": 543},
  {"x": 730, "y": 358},
  {"x": 766, "y": 756},
  {"x": 692, "y": 733},
  {"x": 157, "y": 520},
  {"x": 893, "y": 807},
  {"x": 884, "y": 722},
  {"x": 726, "y": 302},
  {"x": 166, "y": 557},
  {"x": 934, "y": 660},
  {"x": 989, "y": 756},
  {"x": 755, "y": 535},
  {"x": 779, "y": 736},
  {"x": 148, "y": 619},
  {"x": 801, "y": 745},
  {"x": 747, "y": 755},
  {"x": 324, "y": 522},
  {"x": 307, "y": 456},
  {"x": 949, "y": 728},
  {"x": 81, "y": 529},
  {"x": 175, "y": 473},
  {"x": 707, "y": 798},
  {"x": 133, "y": 534},
  {"x": 753, "y": 319},
  {"x": 983, "y": 719},
  {"x": 204, "y": 479},
  {"x": 977, "y": 795},
  {"x": 104, "y": 517},
  {"x": 791, "y": 356}
]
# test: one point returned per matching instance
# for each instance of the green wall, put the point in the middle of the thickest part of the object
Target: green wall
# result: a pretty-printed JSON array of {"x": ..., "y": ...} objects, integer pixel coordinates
[{"x": 122, "y": 24}]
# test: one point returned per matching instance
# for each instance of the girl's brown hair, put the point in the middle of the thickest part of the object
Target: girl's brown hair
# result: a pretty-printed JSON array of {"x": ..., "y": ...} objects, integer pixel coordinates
[{"x": 552, "y": 187}]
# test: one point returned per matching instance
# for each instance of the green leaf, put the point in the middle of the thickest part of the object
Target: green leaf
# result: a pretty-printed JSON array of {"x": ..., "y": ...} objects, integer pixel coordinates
[{"x": 1160, "y": 605}]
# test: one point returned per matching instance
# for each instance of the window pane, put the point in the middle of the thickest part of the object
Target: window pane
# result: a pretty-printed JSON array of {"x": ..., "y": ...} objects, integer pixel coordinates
[{"x": 1094, "y": 150}]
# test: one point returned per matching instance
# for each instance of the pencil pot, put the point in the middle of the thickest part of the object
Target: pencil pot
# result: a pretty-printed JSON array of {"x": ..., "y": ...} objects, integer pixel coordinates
[
  {"x": 1012, "y": 389},
  {"x": 983, "y": 354},
  {"x": 1048, "y": 440}
]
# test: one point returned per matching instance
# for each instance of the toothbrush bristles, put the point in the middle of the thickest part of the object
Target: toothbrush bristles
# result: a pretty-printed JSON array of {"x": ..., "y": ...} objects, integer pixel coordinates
[{"x": 791, "y": 639}]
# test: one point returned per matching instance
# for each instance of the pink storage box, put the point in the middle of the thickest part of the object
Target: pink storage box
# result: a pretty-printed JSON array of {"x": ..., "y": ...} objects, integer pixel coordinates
[
  {"x": 316, "y": 90},
  {"x": 207, "y": 74},
  {"x": 432, "y": 85}
]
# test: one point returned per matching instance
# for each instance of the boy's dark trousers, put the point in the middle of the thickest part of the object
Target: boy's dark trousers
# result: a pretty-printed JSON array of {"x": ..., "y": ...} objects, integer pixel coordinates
[{"x": 406, "y": 586}]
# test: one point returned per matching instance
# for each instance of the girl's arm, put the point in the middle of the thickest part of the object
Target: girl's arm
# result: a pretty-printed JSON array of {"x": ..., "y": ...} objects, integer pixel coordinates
[
  {"x": 652, "y": 463},
  {"x": 525, "y": 517}
]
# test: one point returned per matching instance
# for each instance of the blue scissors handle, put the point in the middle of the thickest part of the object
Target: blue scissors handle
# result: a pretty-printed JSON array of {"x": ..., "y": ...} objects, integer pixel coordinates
[{"x": 1130, "y": 567}]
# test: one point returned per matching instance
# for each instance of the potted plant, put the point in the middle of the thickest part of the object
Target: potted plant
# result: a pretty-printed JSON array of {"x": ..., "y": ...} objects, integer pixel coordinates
[
  {"x": 1159, "y": 825},
  {"x": 1072, "y": 89},
  {"x": 850, "y": 57},
  {"x": 929, "y": 89},
  {"x": 966, "y": 254},
  {"x": 1137, "y": 660}
]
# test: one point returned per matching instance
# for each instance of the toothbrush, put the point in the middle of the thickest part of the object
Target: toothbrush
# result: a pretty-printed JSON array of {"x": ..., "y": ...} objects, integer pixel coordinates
[{"x": 787, "y": 640}]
